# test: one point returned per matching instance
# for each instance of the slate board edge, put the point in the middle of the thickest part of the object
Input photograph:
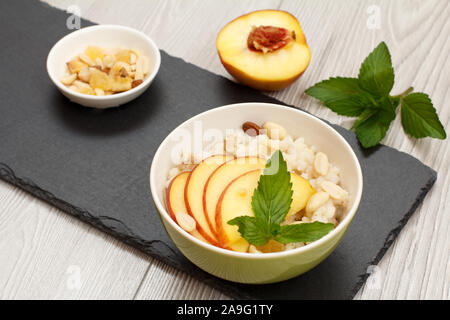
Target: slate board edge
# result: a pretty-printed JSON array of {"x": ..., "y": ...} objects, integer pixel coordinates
[{"x": 7, "y": 174}]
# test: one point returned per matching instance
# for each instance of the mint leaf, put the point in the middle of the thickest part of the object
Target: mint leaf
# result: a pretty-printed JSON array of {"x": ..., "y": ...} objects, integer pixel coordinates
[
  {"x": 271, "y": 202},
  {"x": 368, "y": 98},
  {"x": 419, "y": 118},
  {"x": 254, "y": 230},
  {"x": 372, "y": 130},
  {"x": 273, "y": 197},
  {"x": 376, "y": 74},
  {"x": 342, "y": 95},
  {"x": 303, "y": 232}
]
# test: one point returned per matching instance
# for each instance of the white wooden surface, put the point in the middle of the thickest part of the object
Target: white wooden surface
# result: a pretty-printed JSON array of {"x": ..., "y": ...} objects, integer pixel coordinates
[{"x": 44, "y": 253}]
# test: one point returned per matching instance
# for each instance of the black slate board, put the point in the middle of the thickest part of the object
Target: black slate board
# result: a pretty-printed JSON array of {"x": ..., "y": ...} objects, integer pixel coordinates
[{"x": 95, "y": 164}]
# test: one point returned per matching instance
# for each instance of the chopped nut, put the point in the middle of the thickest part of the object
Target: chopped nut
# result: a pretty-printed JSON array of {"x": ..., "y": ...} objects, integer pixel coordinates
[
  {"x": 84, "y": 74},
  {"x": 146, "y": 69},
  {"x": 83, "y": 87},
  {"x": 101, "y": 72},
  {"x": 118, "y": 66},
  {"x": 109, "y": 61},
  {"x": 75, "y": 65},
  {"x": 135, "y": 83},
  {"x": 68, "y": 79},
  {"x": 81, "y": 84},
  {"x": 85, "y": 58},
  {"x": 133, "y": 58},
  {"x": 252, "y": 249},
  {"x": 137, "y": 53},
  {"x": 140, "y": 65},
  {"x": 251, "y": 128},
  {"x": 99, "y": 92},
  {"x": 98, "y": 62},
  {"x": 274, "y": 130},
  {"x": 123, "y": 72}
]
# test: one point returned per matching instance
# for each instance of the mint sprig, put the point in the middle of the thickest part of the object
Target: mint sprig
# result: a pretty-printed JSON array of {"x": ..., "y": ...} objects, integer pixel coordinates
[
  {"x": 271, "y": 202},
  {"x": 368, "y": 98}
]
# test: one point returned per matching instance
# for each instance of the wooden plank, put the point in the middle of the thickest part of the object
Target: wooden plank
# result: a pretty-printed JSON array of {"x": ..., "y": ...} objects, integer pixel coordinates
[
  {"x": 47, "y": 254},
  {"x": 164, "y": 282}
]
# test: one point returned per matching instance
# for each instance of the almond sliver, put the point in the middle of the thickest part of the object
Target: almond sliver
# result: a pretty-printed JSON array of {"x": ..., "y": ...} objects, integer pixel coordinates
[
  {"x": 68, "y": 79},
  {"x": 84, "y": 74},
  {"x": 140, "y": 65},
  {"x": 109, "y": 61},
  {"x": 133, "y": 58},
  {"x": 146, "y": 65},
  {"x": 85, "y": 58},
  {"x": 99, "y": 92}
]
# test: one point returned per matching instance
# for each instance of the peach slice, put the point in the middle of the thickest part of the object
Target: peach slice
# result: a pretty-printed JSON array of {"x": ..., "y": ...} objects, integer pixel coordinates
[
  {"x": 236, "y": 200},
  {"x": 220, "y": 178},
  {"x": 193, "y": 194},
  {"x": 175, "y": 199},
  {"x": 264, "y": 49},
  {"x": 302, "y": 191}
]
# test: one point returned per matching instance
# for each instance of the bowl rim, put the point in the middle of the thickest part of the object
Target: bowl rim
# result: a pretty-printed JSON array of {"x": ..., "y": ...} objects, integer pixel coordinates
[
  {"x": 119, "y": 95},
  {"x": 273, "y": 255}
]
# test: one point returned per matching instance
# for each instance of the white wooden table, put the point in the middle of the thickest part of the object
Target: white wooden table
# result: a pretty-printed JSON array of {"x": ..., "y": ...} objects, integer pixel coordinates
[{"x": 45, "y": 253}]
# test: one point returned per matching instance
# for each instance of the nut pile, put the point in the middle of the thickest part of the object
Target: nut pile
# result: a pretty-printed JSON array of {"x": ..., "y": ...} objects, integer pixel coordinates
[{"x": 101, "y": 72}]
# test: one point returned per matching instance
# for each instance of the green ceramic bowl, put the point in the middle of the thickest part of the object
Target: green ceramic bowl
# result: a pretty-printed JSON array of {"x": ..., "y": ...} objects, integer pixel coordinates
[{"x": 247, "y": 267}]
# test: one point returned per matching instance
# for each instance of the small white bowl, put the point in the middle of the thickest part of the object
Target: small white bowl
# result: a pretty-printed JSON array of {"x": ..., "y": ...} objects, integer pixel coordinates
[{"x": 104, "y": 36}]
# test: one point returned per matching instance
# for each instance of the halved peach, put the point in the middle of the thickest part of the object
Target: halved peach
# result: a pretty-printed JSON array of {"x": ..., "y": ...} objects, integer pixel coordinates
[
  {"x": 175, "y": 199},
  {"x": 264, "y": 49},
  {"x": 193, "y": 193}
]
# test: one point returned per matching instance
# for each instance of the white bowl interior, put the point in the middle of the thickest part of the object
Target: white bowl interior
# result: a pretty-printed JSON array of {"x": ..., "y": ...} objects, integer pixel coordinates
[
  {"x": 104, "y": 36},
  {"x": 297, "y": 124}
]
